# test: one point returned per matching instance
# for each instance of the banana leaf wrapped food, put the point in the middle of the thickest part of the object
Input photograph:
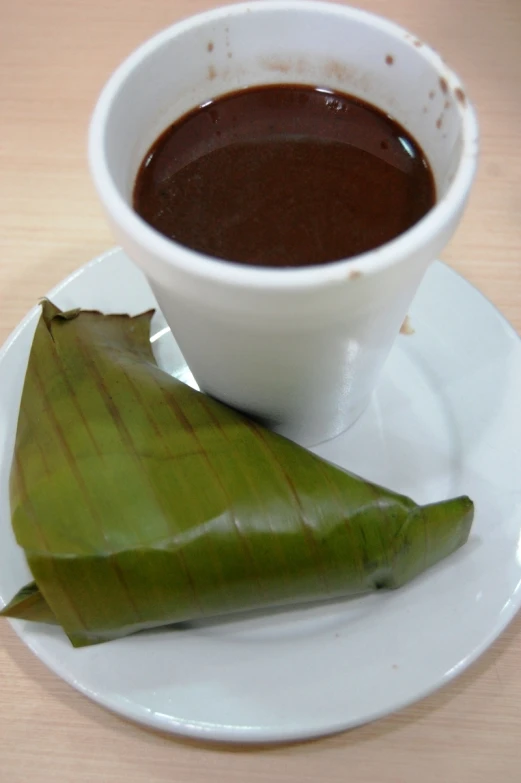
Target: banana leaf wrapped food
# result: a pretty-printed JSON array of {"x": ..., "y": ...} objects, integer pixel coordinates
[{"x": 141, "y": 502}]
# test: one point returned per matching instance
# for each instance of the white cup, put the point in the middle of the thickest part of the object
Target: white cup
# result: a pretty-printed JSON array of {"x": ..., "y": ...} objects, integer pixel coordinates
[{"x": 301, "y": 349}]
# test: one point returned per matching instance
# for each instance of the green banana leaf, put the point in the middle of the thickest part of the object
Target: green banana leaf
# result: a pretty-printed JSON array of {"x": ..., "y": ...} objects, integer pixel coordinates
[{"x": 140, "y": 502}]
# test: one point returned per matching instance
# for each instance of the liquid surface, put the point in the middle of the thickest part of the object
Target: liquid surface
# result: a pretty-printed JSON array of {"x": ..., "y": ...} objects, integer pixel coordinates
[{"x": 284, "y": 176}]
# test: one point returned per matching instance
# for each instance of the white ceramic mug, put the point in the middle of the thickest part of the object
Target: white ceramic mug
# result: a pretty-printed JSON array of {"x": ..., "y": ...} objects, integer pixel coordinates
[{"x": 301, "y": 348}]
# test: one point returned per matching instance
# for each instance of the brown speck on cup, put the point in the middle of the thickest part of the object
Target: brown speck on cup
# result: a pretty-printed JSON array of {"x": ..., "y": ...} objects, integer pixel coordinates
[{"x": 460, "y": 95}]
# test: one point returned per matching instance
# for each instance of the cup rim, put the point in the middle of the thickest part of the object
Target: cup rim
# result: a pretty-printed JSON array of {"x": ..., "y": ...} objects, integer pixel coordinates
[{"x": 207, "y": 267}]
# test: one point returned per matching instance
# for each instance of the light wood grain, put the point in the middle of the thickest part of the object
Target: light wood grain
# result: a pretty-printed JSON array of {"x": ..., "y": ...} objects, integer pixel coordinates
[{"x": 54, "y": 57}]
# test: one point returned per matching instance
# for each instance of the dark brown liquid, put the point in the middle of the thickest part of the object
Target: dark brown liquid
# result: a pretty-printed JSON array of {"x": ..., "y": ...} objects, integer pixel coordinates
[{"x": 284, "y": 176}]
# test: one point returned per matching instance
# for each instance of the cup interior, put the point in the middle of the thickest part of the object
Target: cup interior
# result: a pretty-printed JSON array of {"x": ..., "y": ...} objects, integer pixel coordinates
[{"x": 272, "y": 43}]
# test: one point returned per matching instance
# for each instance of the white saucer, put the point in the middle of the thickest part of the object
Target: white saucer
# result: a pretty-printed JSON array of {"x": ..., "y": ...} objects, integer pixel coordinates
[{"x": 445, "y": 420}]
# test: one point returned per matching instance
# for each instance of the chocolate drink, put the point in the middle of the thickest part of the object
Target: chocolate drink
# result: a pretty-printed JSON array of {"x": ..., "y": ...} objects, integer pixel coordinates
[{"x": 284, "y": 176}]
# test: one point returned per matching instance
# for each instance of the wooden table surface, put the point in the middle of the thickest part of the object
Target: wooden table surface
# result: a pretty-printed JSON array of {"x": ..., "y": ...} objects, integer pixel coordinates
[{"x": 55, "y": 56}]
